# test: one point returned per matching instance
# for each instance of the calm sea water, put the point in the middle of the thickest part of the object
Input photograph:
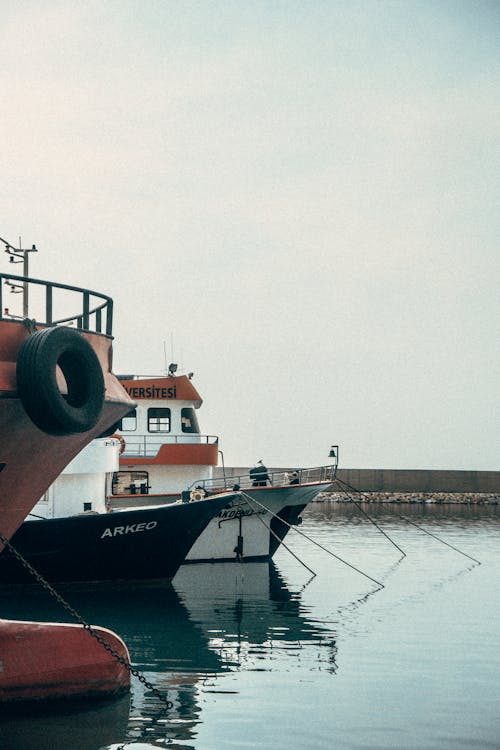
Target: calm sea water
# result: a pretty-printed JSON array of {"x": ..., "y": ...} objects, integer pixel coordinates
[{"x": 264, "y": 656}]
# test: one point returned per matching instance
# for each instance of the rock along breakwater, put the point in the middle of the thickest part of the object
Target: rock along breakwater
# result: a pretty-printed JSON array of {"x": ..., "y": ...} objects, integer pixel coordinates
[{"x": 439, "y": 498}]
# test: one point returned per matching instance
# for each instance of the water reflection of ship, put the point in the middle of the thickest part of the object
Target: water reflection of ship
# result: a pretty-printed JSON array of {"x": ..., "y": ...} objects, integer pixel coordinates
[
  {"x": 208, "y": 622},
  {"x": 80, "y": 727},
  {"x": 245, "y": 605}
]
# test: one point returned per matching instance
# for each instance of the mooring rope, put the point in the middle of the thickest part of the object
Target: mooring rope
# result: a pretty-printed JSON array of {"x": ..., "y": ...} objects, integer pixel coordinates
[
  {"x": 250, "y": 500},
  {"x": 358, "y": 506},
  {"x": 421, "y": 528},
  {"x": 460, "y": 552},
  {"x": 280, "y": 541}
]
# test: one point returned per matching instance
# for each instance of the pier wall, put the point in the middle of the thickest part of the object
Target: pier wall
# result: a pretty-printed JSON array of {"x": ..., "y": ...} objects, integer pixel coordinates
[
  {"x": 420, "y": 480},
  {"x": 405, "y": 480}
]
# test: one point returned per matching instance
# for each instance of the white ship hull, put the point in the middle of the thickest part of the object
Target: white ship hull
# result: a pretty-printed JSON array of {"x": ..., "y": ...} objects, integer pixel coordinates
[{"x": 250, "y": 529}]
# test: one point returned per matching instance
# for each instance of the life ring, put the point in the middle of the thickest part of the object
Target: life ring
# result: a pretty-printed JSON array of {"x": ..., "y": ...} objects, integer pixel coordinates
[
  {"x": 197, "y": 494},
  {"x": 121, "y": 440},
  {"x": 54, "y": 412}
]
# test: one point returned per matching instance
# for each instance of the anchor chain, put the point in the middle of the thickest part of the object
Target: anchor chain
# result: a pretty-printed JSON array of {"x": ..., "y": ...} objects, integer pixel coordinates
[{"x": 78, "y": 617}]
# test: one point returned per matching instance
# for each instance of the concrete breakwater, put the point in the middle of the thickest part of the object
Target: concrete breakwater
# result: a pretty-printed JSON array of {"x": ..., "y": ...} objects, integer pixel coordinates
[
  {"x": 423, "y": 498},
  {"x": 439, "y": 486},
  {"x": 422, "y": 480},
  {"x": 402, "y": 480},
  {"x": 430, "y": 486}
]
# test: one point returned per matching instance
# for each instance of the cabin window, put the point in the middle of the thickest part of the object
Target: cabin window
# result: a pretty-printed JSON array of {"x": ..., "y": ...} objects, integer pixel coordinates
[
  {"x": 159, "y": 420},
  {"x": 189, "y": 420},
  {"x": 130, "y": 483},
  {"x": 129, "y": 422}
]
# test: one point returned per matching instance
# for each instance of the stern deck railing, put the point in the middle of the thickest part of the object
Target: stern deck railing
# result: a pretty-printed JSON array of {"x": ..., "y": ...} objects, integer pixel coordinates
[{"x": 50, "y": 304}]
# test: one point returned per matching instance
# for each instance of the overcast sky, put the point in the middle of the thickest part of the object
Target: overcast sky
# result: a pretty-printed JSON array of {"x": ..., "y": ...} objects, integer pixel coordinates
[{"x": 302, "y": 196}]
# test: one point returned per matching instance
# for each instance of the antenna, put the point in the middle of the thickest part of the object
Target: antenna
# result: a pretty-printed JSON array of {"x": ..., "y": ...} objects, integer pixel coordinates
[
  {"x": 167, "y": 368},
  {"x": 20, "y": 255}
]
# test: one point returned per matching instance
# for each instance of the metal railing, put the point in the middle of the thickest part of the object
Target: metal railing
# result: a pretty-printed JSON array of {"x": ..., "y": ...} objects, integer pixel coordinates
[
  {"x": 94, "y": 310},
  {"x": 280, "y": 478},
  {"x": 147, "y": 446}
]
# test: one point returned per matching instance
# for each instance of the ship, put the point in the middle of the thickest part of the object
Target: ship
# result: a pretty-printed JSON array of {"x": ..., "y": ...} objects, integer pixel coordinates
[
  {"x": 135, "y": 505},
  {"x": 57, "y": 394},
  {"x": 164, "y": 456},
  {"x": 71, "y": 537}
]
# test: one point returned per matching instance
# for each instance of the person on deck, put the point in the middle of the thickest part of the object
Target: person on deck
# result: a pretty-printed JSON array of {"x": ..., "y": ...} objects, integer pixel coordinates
[{"x": 259, "y": 475}]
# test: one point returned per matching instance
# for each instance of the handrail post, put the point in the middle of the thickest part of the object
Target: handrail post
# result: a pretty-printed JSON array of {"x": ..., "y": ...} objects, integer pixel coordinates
[
  {"x": 48, "y": 304},
  {"x": 109, "y": 318},
  {"x": 86, "y": 309}
]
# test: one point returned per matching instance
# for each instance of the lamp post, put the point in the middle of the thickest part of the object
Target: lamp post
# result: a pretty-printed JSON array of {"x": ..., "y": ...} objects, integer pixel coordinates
[
  {"x": 21, "y": 255},
  {"x": 223, "y": 468}
]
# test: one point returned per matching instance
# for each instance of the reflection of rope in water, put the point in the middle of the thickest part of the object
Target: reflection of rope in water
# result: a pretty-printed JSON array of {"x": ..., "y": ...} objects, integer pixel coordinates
[
  {"x": 313, "y": 541},
  {"x": 417, "y": 526},
  {"x": 306, "y": 584},
  {"x": 353, "y": 606},
  {"x": 415, "y": 596}
]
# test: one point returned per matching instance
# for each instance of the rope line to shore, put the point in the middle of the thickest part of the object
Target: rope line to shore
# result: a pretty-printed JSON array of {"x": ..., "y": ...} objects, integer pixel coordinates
[
  {"x": 364, "y": 513},
  {"x": 250, "y": 500},
  {"x": 280, "y": 541},
  {"x": 421, "y": 528}
]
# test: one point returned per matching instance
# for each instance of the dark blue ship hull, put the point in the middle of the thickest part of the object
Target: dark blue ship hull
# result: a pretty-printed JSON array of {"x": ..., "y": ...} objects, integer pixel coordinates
[{"x": 134, "y": 545}]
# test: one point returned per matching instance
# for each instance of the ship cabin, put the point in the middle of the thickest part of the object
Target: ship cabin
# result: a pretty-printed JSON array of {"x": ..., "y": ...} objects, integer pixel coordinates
[
  {"x": 82, "y": 485},
  {"x": 162, "y": 449}
]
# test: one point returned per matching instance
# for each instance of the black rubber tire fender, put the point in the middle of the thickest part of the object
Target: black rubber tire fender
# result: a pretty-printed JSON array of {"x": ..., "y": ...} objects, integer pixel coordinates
[{"x": 52, "y": 411}]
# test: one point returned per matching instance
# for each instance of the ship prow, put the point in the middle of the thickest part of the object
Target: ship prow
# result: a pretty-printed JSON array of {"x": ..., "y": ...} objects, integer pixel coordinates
[
  {"x": 164, "y": 454},
  {"x": 57, "y": 393}
]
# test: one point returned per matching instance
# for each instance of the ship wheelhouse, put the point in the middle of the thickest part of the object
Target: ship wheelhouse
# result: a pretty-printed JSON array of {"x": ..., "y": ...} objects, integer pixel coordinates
[{"x": 163, "y": 450}]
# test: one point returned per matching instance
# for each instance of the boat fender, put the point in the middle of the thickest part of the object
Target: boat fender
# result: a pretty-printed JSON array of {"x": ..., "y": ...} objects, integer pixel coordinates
[
  {"x": 121, "y": 440},
  {"x": 197, "y": 494},
  {"x": 54, "y": 412}
]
